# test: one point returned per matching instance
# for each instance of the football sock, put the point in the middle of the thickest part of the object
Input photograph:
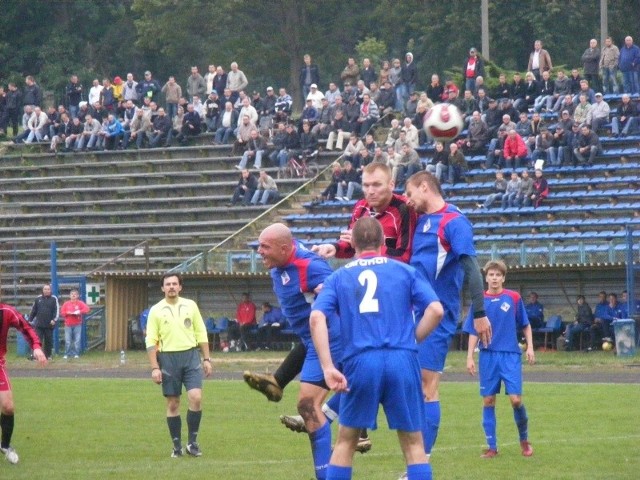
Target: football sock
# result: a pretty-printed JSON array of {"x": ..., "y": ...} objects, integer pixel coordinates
[
  {"x": 419, "y": 471},
  {"x": 522, "y": 421},
  {"x": 334, "y": 472},
  {"x": 431, "y": 425},
  {"x": 193, "y": 424},
  {"x": 6, "y": 425},
  {"x": 321, "y": 450},
  {"x": 489, "y": 425},
  {"x": 291, "y": 366},
  {"x": 175, "y": 429},
  {"x": 331, "y": 409}
]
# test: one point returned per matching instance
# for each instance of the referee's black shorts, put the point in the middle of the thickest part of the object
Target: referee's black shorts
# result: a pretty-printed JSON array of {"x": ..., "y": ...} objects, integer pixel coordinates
[{"x": 180, "y": 368}]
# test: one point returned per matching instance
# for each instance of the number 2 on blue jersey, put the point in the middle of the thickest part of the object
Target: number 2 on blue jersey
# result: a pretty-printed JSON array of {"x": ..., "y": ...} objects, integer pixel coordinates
[{"x": 369, "y": 303}]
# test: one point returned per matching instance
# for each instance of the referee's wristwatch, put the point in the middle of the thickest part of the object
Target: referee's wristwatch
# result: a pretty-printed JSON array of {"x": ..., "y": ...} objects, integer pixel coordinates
[{"x": 208, "y": 359}]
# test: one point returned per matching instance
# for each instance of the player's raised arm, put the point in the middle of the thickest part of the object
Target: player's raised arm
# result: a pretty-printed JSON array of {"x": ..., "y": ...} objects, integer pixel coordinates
[{"x": 429, "y": 321}]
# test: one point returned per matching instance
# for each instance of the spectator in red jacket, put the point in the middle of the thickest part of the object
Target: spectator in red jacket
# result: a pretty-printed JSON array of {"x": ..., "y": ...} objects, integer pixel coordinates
[
  {"x": 515, "y": 150},
  {"x": 246, "y": 318},
  {"x": 72, "y": 311}
]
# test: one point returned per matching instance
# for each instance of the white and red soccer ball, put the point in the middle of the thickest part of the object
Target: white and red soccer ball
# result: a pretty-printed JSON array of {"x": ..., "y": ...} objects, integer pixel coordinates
[{"x": 443, "y": 122}]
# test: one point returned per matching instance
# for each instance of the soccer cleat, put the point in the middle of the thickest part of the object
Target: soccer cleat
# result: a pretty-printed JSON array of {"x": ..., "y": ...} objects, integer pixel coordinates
[
  {"x": 295, "y": 423},
  {"x": 177, "y": 452},
  {"x": 489, "y": 453},
  {"x": 193, "y": 449},
  {"x": 265, "y": 383},
  {"x": 10, "y": 454},
  {"x": 364, "y": 445},
  {"x": 527, "y": 450}
]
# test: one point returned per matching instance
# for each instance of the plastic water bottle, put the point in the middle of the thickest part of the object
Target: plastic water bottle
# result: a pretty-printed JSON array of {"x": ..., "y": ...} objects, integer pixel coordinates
[{"x": 123, "y": 357}]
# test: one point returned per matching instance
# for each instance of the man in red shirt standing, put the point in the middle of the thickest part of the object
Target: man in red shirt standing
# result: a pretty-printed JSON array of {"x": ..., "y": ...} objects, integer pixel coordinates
[
  {"x": 72, "y": 311},
  {"x": 246, "y": 318},
  {"x": 10, "y": 317}
]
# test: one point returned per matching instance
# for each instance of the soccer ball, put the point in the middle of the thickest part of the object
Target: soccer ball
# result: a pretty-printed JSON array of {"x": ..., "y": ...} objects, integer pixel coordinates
[
  {"x": 443, "y": 122},
  {"x": 607, "y": 346}
]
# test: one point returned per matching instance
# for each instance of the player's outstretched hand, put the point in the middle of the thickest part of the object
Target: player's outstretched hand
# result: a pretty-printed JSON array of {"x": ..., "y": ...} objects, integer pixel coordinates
[
  {"x": 336, "y": 381},
  {"x": 531, "y": 356},
  {"x": 482, "y": 327},
  {"x": 471, "y": 366},
  {"x": 39, "y": 355},
  {"x": 325, "y": 250}
]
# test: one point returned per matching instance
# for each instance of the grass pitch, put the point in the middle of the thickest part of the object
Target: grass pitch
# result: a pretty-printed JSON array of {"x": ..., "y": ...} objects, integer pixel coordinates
[{"x": 115, "y": 428}]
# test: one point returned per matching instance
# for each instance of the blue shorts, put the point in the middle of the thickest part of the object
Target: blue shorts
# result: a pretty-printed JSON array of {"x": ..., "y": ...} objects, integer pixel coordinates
[
  {"x": 432, "y": 352},
  {"x": 387, "y": 377},
  {"x": 311, "y": 369},
  {"x": 497, "y": 367}
]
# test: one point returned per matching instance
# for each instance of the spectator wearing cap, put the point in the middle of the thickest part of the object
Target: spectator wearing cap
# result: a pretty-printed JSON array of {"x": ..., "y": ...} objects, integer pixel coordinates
[
  {"x": 172, "y": 93},
  {"x": 269, "y": 103},
  {"x": 149, "y": 87},
  {"x": 473, "y": 68},
  {"x": 309, "y": 75},
  {"x": 625, "y": 118},
  {"x": 315, "y": 96},
  {"x": 598, "y": 114}
]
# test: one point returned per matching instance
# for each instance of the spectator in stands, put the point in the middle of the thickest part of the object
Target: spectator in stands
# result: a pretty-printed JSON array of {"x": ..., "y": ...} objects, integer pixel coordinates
[
  {"x": 247, "y": 109},
  {"x": 582, "y": 323},
  {"x": 220, "y": 81},
  {"x": 323, "y": 126},
  {"x": 308, "y": 143},
  {"x": 118, "y": 89},
  {"x": 380, "y": 156},
  {"x": 256, "y": 146},
  {"x": 473, "y": 67},
  {"x": 406, "y": 165},
  {"x": 544, "y": 99},
  {"x": 386, "y": 100},
  {"x": 590, "y": 61},
  {"x": 369, "y": 115},
  {"x": 502, "y": 90},
  {"x": 535, "y": 311},
  {"x": 495, "y": 154},
  {"x": 37, "y": 125},
  {"x": 482, "y": 100},
  {"x": 53, "y": 121},
  {"x": 626, "y": 117},
  {"x": 212, "y": 111},
  {"x": 574, "y": 80},
  {"x": 236, "y": 81},
  {"x": 510, "y": 197},
  {"x": 279, "y": 139},
  {"x": 561, "y": 87},
  {"x": 90, "y": 133},
  {"x": 598, "y": 114},
  {"x": 291, "y": 146},
  {"x": 408, "y": 79},
  {"x": 544, "y": 147},
  {"x": 435, "y": 89},
  {"x": 394, "y": 132},
  {"x": 439, "y": 164},
  {"x": 531, "y": 91},
  {"x": 588, "y": 144},
  {"x": 26, "y": 116},
  {"x": 107, "y": 99},
  {"x": 609, "y": 66},
  {"x": 191, "y": 125},
  {"x": 74, "y": 135},
  {"x": 368, "y": 73},
  {"x": 468, "y": 105},
  {"x": 61, "y": 132},
  {"x": 43, "y": 316},
  {"x": 340, "y": 130},
  {"x": 331, "y": 191},
  {"x": 411, "y": 132},
  {"x": 268, "y": 104},
  {"x": 172, "y": 93},
  {"x": 586, "y": 90},
  {"x": 540, "y": 189},
  {"x": 130, "y": 89},
  {"x": 113, "y": 134},
  {"x": 32, "y": 94},
  {"x": 245, "y": 318},
  {"x": 581, "y": 113},
  {"x": 539, "y": 60},
  {"x": 515, "y": 151},
  {"x": 350, "y": 182},
  {"x": 395, "y": 77},
  {"x": 245, "y": 188},
  {"x": 411, "y": 105},
  {"x": 243, "y": 135},
  {"x": 385, "y": 71},
  {"x": 573, "y": 141},
  {"x": 316, "y": 96},
  {"x": 196, "y": 84},
  {"x": 309, "y": 114},
  {"x": 351, "y": 73},
  {"x": 161, "y": 127},
  {"x": 137, "y": 131},
  {"x": 559, "y": 148},
  {"x": 492, "y": 117},
  {"x": 269, "y": 327},
  {"x": 518, "y": 93},
  {"x": 13, "y": 108},
  {"x": 73, "y": 93},
  {"x": 283, "y": 105},
  {"x": 227, "y": 122},
  {"x": 209, "y": 77},
  {"x": 267, "y": 190},
  {"x": 499, "y": 189},
  {"x": 524, "y": 128},
  {"x": 525, "y": 191},
  {"x": 628, "y": 63},
  {"x": 94, "y": 92},
  {"x": 332, "y": 94},
  {"x": 458, "y": 166}
]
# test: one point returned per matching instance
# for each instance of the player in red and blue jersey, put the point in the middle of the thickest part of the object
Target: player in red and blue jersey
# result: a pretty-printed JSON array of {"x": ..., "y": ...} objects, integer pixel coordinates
[
  {"x": 297, "y": 275},
  {"x": 501, "y": 360},
  {"x": 443, "y": 252},
  {"x": 375, "y": 297}
]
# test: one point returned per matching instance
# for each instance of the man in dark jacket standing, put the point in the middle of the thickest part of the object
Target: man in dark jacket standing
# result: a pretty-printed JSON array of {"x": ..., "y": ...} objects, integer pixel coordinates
[
  {"x": 309, "y": 74},
  {"x": 44, "y": 315},
  {"x": 32, "y": 93}
]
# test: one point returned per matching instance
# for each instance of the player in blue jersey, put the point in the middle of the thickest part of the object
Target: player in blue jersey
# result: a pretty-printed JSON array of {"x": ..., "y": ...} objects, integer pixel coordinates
[
  {"x": 501, "y": 360},
  {"x": 375, "y": 297},
  {"x": 443, "y": 252},
  {"x": 297, "y": 274}
]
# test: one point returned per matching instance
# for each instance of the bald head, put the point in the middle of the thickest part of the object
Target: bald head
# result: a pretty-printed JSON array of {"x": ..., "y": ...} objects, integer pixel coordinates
[{"x": 275, "y": 245}]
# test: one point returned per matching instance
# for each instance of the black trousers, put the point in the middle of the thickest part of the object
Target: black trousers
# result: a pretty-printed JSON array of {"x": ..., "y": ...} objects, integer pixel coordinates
[{"x": 46, "y": 337}]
